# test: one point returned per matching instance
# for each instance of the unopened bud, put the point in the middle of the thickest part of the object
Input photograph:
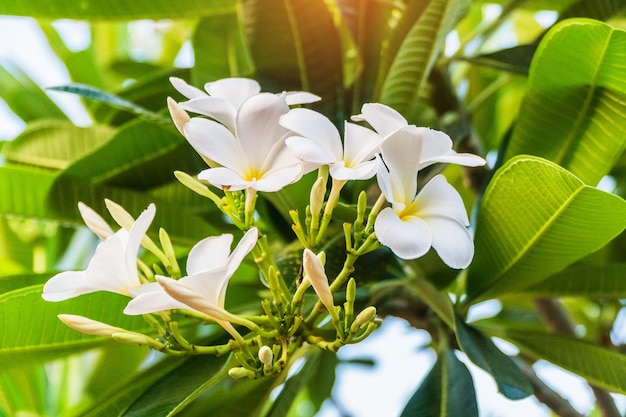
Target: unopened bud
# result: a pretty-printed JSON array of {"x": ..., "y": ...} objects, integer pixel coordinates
[
  {"x": 240, "y": 372},
  {"x": 266, "y": 356},
  {"x": 365, "y": 316},
  {"x": 318, "y": 192},
  {"x": 88, "y": 326},
  {"x": 351, "y": 291},
  {"x": 119, "y": 214},
  {"x": 314, "y": 270},
  {"x": 94, "y": 221},
  {"x": 179, "y": 115}
]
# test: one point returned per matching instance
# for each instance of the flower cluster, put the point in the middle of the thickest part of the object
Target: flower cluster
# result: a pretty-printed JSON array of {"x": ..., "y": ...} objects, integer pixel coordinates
[{"x": 255, "y": 142}]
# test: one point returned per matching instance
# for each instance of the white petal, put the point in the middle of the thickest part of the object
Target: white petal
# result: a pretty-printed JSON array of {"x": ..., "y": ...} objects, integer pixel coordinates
[
  {"x": 278, "y": 178},
  {"x": 258, "y": 130},
  {"x": 209, "y": 253},
  {"x": 94, "y": 221},
  {"x": 152, "y": 300},
  {"x": 234, "y": 90},
  {"x": 452, "y": 241},
  {"x": 191, "y": 298},
  {"x": 383, "y": 119},
  {"x": 178, "y": 114},
  {"x": 312, "y": 125},
  {"x": 360, "y": 144},
  {"x": 300, "y": 97},
  {"x": 439, "y": 199},
  {"x": 209, "y": 285},
  {"x": 401, "y": 154},
  {"x": 465, "y": 159},
  {"x": 362, "y": 171},
  {"x": 310, "y": 151},
  {"x": 408, "y": 239},
  {"x": 66, "y": 285},
  {"x": 135, "y": 235},
  {"x": 108, "y": 267},
  {"x": 215, "y": 107},
  {"x": 383, "y": 178},
  {"x": 214, "y": 141},
  {"x": 185, "y": 89},
  {"x": 245, "y": 245},
  {"x": 225, "y": 178}
]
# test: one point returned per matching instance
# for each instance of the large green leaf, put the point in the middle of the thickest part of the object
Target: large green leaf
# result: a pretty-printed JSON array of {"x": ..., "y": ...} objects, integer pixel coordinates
[
  {"x": 295, "y": 45},
  {"x": 481, "y": 350},
  {"x": 535, "y": 219},
  {"x": 418, "y": 53},
  {"x": 23, "y": 96},
  {"x": 31, "y": 330},
  {"x": 594, "y": 9},
  {"x": 600, "y": 366},
  {"x": 597, "y": 281},
  {"x": 575, "y": 106},
  {"x": 220, "y": 49},
  {"x": 447, "y": 390},
  {"x": 54, "y": 143},
  {"x": 116, "y": 9},
  {"x": 55, "y": 198}
]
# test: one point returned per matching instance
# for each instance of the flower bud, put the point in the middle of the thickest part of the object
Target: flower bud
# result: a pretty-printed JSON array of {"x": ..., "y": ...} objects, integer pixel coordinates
[
  {"x": 88, "y": 326},
  {"x": 266, "y": 356},
  {"x": 240, "y": 372},
  {"x": 351, "y": 291},
  {"x": 119, "y": 214},
  {"x": 368, "y": 314},
  {"x": 179, "y": 115},
  {"x": 318, "y": 191},
  {"x": 137, "y": 339},
  {"x": 94, "y": 221},
  {"x": 316, "y": 275}
]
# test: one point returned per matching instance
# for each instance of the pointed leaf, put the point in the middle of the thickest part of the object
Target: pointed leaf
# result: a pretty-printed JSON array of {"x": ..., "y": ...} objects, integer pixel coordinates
[
  {"x": 116, "y": 9},
  {"x": 574, "y": 110},
  {"x": 418, "y": 53},
  {"x": 447, "y": 391},
  {"x": 54, "y": 143},
  {"x": 31, "y": 330},
  {"x": 481, "y": 350},
  {"x": 534, "y": 220},
  {"x": 598, "y": 365}
]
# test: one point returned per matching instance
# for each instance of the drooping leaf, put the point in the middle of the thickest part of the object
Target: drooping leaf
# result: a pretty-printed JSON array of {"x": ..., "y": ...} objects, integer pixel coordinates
[
  {"x": 481, "y": 350},
  {"x": 220, "y": 50},
  {"x": 54, "y": 143},
  {"x": 535, "y": 219},
  {"x": 447, "y": 390},
  {"x": 600, "y": 366},
  {"x": 116, "y": 9},
  {"x": 418, "y": 53},
  {"x": 31, "y": 331},
  {"x": 516, "y": 59},
  {"x": 575, "y": 103},
  {"x": 24, "y": 97}
]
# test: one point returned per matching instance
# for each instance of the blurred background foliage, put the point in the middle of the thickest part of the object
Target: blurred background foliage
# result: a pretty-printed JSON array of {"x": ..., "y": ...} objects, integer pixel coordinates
[{"x": 537, "y": 87}]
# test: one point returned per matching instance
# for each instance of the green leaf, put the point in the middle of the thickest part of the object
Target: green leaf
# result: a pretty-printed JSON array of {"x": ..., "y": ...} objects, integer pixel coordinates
[
  {"x": 116, "y": 9},
  {"x": 220, "y": 50},
  {"x": 479, "y": 349},
  {"x": 54, "y": 143},
  {"x": 296, "y": 45},
  {"x": 594, "y": 9},
  {"x": 600, "y": 366},
  {"x": 55, "y": 198},
  {"x": 23, "y": 96},
  {"x": 94, "y": 93},
  {"x": 418, "y": 53},
  {"x": 596, "y": 281},
  {"x": 14, "y": 282},
  {"x": 31, "y": 330},
  {"x": 535, "y": 219},
  {"x": 170, "y": 394},
  {"x": 574, "y": 109},
  {"x": 516, "y": 59},
  {"x": 447, "y": 390}
]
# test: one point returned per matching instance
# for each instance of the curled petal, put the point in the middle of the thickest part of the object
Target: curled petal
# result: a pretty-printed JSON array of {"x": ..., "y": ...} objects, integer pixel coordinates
[
  {"x": 243, "y": 248},
  {"x": 316, "y": 275},
  {"x": 185, "y": 89},
  {"x": 300, "y": 97},
  {"x": 135, "y": 235},
  {"x": 234, "y": 90},
  {"x": 408, "y": 238},
  {"x": 383, "y": 119},
  {"x": 465, "y": 159},
  {"x": 452, "y": 241}
]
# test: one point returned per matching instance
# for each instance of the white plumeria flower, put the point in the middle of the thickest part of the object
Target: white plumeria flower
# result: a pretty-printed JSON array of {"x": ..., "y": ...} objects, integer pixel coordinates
[
  {"x": 113, "y": 266},
  {"x": 256, "y": 157},
  {"x": 435, "y": 217},
  {"x": 210, "y": 266},
  {"x": 319, "y": 143},
  {"x": 226, "y": 96},
  {"x": 436, "y": 146}
]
